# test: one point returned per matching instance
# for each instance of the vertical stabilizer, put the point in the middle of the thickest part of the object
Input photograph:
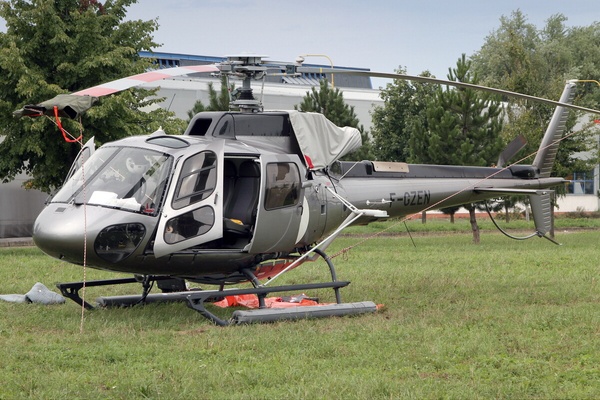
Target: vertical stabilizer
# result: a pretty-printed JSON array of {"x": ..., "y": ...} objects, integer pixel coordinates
[
  {"x": 541, "y": 207},
  {"x": 544, "y": 160}
]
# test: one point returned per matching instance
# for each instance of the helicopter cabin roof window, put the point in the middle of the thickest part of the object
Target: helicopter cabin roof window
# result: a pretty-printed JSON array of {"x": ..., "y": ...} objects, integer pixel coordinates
[
  {"x": 197, "y": 180},
  {"x": 168, "y": 141},
  {"x": 212, "y": 123},
  {"x": 283, "y": 185}
]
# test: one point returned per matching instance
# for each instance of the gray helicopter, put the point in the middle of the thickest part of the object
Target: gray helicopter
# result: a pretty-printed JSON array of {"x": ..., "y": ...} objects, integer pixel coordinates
[{"x": 246, "y": 195}]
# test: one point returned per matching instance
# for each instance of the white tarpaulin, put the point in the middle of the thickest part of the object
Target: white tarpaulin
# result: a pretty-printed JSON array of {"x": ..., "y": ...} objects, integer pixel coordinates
[{"x": 320, "y": 140}]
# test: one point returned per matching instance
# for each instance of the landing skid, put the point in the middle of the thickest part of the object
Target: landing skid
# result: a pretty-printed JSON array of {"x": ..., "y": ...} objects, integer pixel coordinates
[
  {"x": 196, "y": 299},
  {"x": 71, "y": 289}
]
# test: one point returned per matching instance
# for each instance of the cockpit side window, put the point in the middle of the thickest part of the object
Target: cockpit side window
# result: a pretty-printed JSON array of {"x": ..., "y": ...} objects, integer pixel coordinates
[
  {"x": 197, "y": 180},
  {"x": 283, "y": 185}
]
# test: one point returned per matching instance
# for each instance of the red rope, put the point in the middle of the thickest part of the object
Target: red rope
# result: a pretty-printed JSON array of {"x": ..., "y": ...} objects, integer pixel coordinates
[{"x": 64, "y": 133}]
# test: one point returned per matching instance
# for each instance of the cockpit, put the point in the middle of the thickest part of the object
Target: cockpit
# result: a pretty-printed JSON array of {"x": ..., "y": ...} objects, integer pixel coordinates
[{"x": 125, "y": 178}]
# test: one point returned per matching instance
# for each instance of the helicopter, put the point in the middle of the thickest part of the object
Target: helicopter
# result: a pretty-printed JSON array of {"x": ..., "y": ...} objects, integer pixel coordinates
[{"x": 247, "y": 195}]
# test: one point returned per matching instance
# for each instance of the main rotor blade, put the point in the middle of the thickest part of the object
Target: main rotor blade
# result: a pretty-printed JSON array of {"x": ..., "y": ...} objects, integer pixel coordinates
[
  {"x": 426, "y": 79},
  {"x": 135, "y": 80}
]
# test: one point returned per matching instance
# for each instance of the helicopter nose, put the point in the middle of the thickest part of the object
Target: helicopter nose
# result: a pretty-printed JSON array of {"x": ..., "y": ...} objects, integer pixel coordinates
[{"x": 59, "y": 232}]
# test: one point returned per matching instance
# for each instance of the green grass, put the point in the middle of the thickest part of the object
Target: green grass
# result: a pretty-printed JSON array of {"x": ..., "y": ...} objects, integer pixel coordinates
[
  {"x": 503, "y": 319},
  {"x": 442, "y": 224}
]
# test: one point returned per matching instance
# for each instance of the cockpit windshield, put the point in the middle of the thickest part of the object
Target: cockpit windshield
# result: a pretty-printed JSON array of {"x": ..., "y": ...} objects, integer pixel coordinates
[{"x": 126, "y": 178}]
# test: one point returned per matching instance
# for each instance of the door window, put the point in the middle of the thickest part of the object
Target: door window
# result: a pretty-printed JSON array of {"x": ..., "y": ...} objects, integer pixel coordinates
[
  {"x": 190, "y": 224},
  {"x": 283, "y": 185},
  {"x": 197, "y": 180}
]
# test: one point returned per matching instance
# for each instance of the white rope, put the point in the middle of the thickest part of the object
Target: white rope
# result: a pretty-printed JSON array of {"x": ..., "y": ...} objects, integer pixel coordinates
[{"x": 84, "y": 187}]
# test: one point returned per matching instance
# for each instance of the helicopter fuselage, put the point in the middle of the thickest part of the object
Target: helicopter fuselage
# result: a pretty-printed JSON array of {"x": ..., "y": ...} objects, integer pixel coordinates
[{"x": 234, "y": 193}]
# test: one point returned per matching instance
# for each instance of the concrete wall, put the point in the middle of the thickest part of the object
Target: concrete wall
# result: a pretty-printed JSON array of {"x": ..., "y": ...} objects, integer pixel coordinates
[{"x": 19, "y": 208}]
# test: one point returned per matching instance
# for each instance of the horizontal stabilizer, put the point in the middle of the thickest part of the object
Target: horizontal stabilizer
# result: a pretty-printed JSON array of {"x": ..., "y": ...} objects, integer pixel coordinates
[{"x": 511, "y": 192}]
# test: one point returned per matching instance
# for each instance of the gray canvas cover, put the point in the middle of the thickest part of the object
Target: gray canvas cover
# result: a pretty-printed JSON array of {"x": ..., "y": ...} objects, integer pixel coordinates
[
  {"x": 320, "y": 140},
  {"x": 69, "y": 105},
  {"x": 39, "y": 293}
]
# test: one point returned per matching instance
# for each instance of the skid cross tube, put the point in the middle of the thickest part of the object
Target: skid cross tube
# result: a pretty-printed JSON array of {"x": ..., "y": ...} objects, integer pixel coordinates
[
  {"x": 196, "y": 300},
  {"x": 71, "y": 289}
]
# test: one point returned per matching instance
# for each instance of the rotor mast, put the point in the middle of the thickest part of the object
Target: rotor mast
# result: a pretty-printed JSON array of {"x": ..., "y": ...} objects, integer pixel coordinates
[{"x": 247, "y": 67}]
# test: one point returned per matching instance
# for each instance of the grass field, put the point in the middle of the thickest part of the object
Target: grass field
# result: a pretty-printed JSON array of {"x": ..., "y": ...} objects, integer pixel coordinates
[{"x": 503, "y": 319}]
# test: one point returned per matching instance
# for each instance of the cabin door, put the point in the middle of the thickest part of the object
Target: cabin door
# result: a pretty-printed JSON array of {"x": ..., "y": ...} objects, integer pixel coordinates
[
  {"x": 193, "y": 210},
  {"x": 281, "y": 204}
]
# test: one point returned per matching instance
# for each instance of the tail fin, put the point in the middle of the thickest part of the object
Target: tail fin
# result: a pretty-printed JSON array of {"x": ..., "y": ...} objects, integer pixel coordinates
[
  {"x": 544, "y": 160},
  {"x": 541, "y": 207}
]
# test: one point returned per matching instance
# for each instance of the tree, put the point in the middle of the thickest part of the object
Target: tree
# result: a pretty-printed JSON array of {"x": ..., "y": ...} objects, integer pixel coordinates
[
  {"x": 403, "y": 111},
  {"x": 463, "y": 128},
  {"x": 197, "y": 108},
  {"x": 330, "y": 102},
  {"x": 521, "y": 58},
  {"x": 216, "y": 101},
  {"x": 450, "y": 211},
  {"x": 60, "y": 46}
]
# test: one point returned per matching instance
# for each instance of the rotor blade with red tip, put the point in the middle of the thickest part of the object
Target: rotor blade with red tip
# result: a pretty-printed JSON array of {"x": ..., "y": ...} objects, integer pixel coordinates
[{"x": 136, "y": 80}]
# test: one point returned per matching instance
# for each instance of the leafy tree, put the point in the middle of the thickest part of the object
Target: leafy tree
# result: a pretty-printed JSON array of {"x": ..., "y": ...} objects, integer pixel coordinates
[
  {"x": 216, "y": 101},
  {"x": 59, "y": 46},
  {"x": 450, "y": 211},
  {"x": 403, "y": 111},
  {"x": 522, "y": 58},
  {"x": 330, "y": 102},
  {"x": 463, "y": 127},
  {"x": 390, "y": 132}
]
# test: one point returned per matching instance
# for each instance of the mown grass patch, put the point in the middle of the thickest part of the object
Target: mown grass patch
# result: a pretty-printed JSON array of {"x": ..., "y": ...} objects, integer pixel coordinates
[
  {"x": 461, "y": 225},
  {"x": 504, "y": 319}
]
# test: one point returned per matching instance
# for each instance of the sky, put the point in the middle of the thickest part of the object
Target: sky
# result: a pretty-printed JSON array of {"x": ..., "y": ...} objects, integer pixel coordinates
[{"x": 380, "y": 35}]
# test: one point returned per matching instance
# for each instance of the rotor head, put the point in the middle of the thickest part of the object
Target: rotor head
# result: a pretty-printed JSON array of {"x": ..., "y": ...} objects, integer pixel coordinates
[{"x": 247, "y": 67}]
